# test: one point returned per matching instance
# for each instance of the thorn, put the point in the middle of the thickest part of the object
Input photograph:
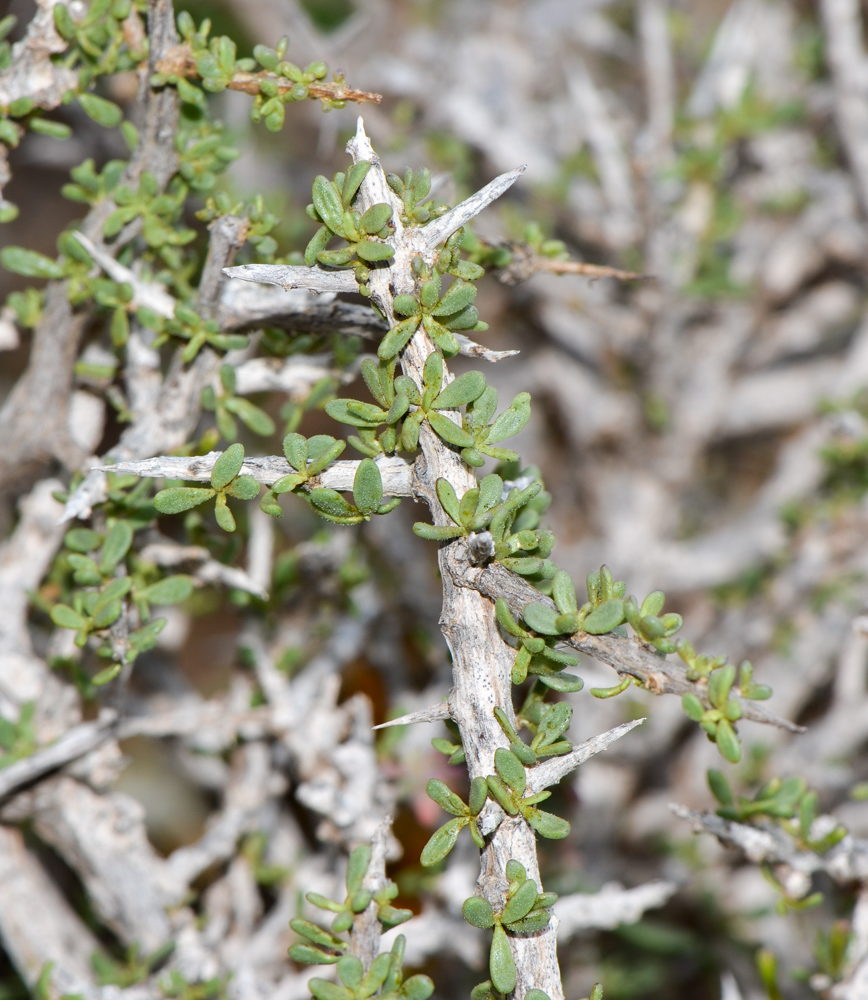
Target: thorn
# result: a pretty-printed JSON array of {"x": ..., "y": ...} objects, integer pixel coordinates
[{"x": 434, "y": 714}]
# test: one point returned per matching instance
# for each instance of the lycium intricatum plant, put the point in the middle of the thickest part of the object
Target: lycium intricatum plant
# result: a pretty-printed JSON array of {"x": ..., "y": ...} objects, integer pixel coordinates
[{"x": 427, "y": 430}]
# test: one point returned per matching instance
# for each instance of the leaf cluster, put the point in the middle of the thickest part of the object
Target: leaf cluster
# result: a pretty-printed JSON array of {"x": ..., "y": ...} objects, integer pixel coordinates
[
  {"x": 384, "y": 979},
  {"x": 507, "y": 787},
  {"x": 227, "y": 406},
  {"x": 525, "y": 911},
  {"x": 364, "y": 233},
  {"x": 439, "y": 314},
  {"x": 309, "y": 457},
  {"x": 786, "y": 800},
  {"x": 413, "y": 190},
  {"x": 443, "y": 840},
  {"x": 102, "y": 580},
  {"x": 323, "y": 947},
  {"x": 226, "y": 482}
]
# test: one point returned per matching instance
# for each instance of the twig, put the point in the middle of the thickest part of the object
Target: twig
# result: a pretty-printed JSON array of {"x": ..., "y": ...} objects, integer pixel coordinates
[
  {"x": 73, "y": 744},
  {"x": 180, "y": 62},
  {"x": 611, "y": 906},
  {"x": 628, "y": 656},
  {"x": 551, "y": 771},
  {"x": 396, "y": 472}
]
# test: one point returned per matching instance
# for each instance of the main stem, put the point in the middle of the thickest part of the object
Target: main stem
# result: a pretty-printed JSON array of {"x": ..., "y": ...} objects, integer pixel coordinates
[{"x": 481, "y": 661}]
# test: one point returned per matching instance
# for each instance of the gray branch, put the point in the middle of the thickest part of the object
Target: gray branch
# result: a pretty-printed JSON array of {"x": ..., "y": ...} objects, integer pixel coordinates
[
  {"x": 396, "y": 472},
  {"x": 553, "y": 769}
]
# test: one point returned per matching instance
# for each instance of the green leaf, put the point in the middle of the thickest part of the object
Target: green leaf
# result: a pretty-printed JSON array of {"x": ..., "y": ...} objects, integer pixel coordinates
[
  {"x": 368, "y": 486},
  {"x": 331, "y": 502},
  {"x": 448, "y": 499},
  {"x": 720, "y": 787},
  {"x": 440, "y": 793},
  {"x": 116, "y": 545},
  {"x": 719, "y": 685},
  {"x": 540, "y": 618},
  {"x": 104, "y": 676},
  {"x": 308, "y": 955},
  {"x": 376, "y": 217},
  {"x": 521, "y": 903},
  {"x": 107, "y": 613},
  {"x": 406, "y": 305},
  {"x": 316, "y": 934},
  {"x": 442, "y": 842},
  {"x": 171, "y": 590},
  {"x": 605, "y": 617},
  {"x": 450, "y": 432},
  {"x": 478, "y": 795},
  {"x": 458, "y": 297},
  {"x": 463, "y": 390},
  {"x": 653, "y": 604},
  {"x": 351, "y": 972},
  {"x": 727, "y": 742},
  {"x": 397, "y": 338},
  {"x": 511, "y": 769},
  {"x": 322, "y": 449},
  {"x": 564, "y": 683},
  {"x": 256, "y": 419},
  {"x": 66, "y": 617},
  {"x": 564, "y": 593},
  {"x": 353, "y": 181},
  {"x": 328, "y": 203},
  {"x": 441, "y": 336},
  {"x": 357, "y": 415},
  {"x": 57, "y": 130},
  {"x": 243, "y": 488},
  {"x": 371, "y": 250},
  {"x": 322, "y": 989},
  {"x": 295, "y": 449},
  {"x": 437, "y": 532},
  {"x": 417, "y": 988},
  {"x": 145, "y": 637},
  {"x": 502, "y": 794},
  {"x": 227, "y": 466},
  {"x": 511, "y": 421},
  {"x": 357, "y": 868},
  {"x": 501, "y": 964},
  {"x": 288, "y": 483},
  {"x": 103, "y": 112},
  {"x": 693, "y": 707},
  {"x": 547, "y": 824},
  {"x": 223, "y": 514},
  {"x": 82, "y": 539},
  {"x": 29, "y": 263},
  {"x": 478, "y": 912}
]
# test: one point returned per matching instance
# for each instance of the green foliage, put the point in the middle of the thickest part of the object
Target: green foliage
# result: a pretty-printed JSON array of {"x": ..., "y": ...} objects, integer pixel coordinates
[
  {"x": 326, "y": 947},
  {"x": 439, "y": 315},
  {"x": 443, "y": 839},
  {"x": 227, "y": 406},
  {"x": 225, "y": 482},
  {"x": 135, "y": 968},
  {"x": 103, "y": 578},
  {"x": 17, "y": 739},
  {"x": 525, "y": 911},
  {"x": 786, "y": 801}
]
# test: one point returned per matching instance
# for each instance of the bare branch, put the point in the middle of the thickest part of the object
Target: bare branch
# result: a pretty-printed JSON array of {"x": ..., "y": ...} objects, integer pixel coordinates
[
  {"x": 73, "y": 744},
  {"x": 553, "y": 769},
  {"x": 611, "y": 906},
  {"x": 439, "y": 230},
  {"x": 437, "y": 713},
  {"x": 396, "y": 472}
]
